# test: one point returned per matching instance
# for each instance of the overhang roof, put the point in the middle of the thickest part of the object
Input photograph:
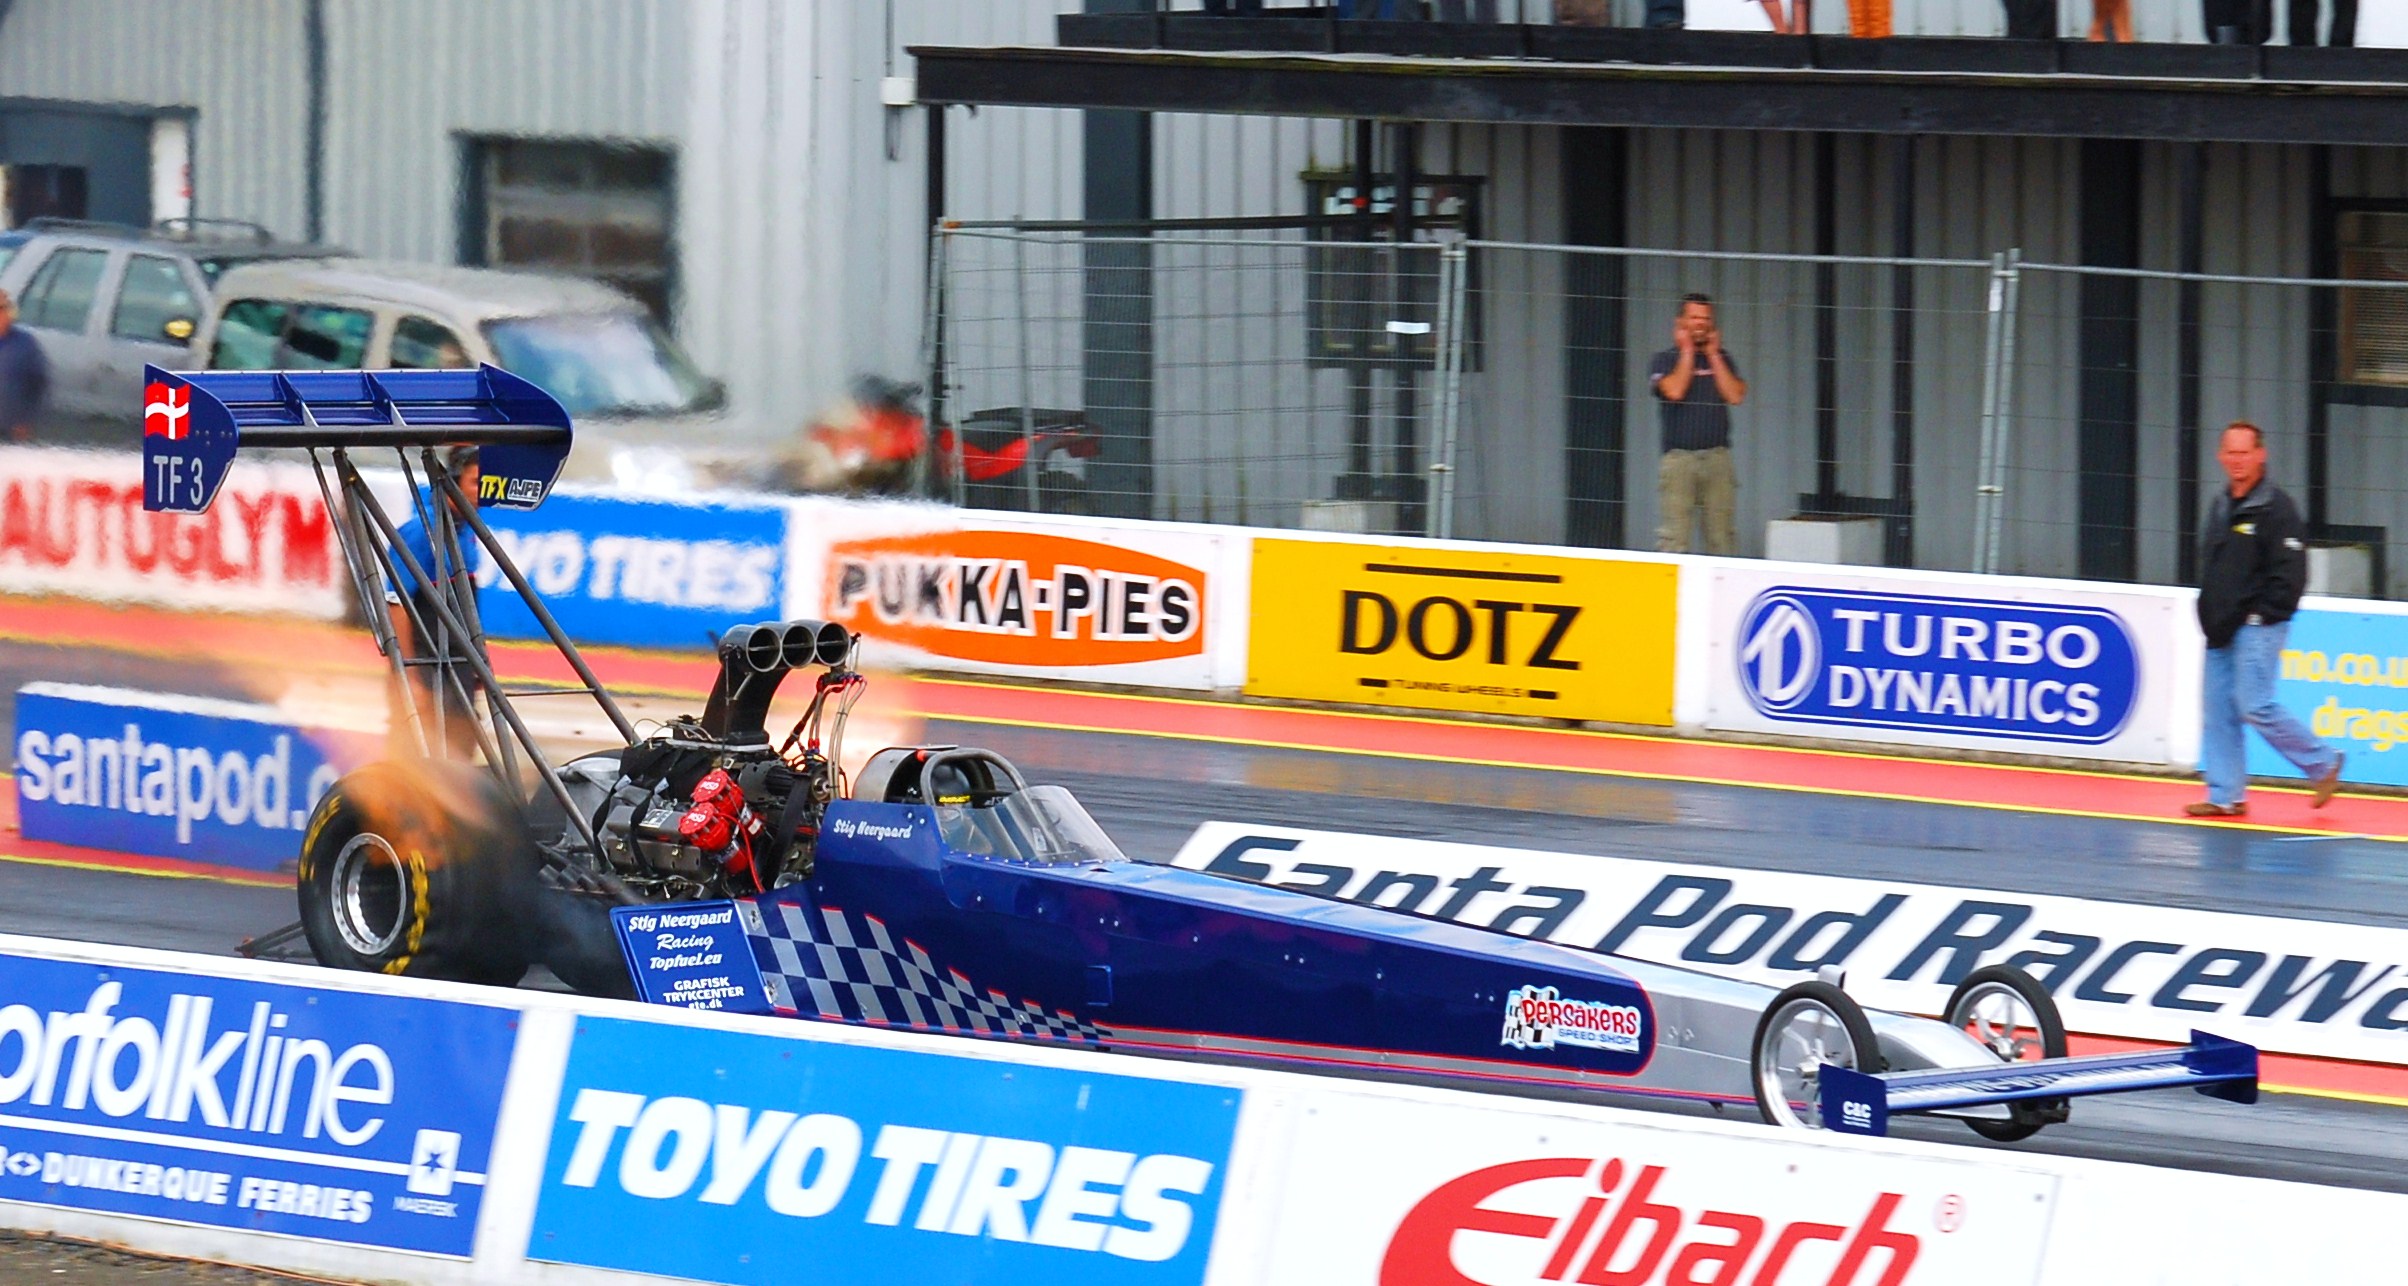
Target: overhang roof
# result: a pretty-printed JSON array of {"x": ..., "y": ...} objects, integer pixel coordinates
[{"x": 1540, "y": 75}]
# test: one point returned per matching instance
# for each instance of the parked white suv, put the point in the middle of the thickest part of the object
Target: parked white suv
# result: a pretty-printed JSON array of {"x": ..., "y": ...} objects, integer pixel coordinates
[{"x": 646, "y": 418}]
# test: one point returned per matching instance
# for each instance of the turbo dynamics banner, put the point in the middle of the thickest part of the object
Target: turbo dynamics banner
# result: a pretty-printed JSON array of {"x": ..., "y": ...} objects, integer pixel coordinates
[
  {"x": 2142, "y": 972},
  {"x": 1993, "y": 665}
]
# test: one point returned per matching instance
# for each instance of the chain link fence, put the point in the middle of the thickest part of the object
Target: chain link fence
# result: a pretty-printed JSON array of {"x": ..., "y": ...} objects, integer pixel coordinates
[{"x": 1987, "y": 415}]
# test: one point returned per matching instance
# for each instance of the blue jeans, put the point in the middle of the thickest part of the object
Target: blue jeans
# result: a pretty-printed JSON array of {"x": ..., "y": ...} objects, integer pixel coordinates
[{"x": 2240, "y": 690}]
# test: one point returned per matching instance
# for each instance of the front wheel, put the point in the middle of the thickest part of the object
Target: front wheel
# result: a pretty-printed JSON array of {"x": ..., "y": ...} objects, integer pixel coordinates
[
  {"x": 420, "y": 869},
  {"x": 1807, "y": 1028},
  {"x": 2009, "y": 1013}
]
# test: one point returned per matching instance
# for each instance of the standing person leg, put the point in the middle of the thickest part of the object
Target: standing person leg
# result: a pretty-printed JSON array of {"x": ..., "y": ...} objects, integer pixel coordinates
[
  {"x": 1869, "y": 19},
  {"x": 1676, "y": 501},
  {"x": 2220, "y": 748},
  {"x": 2303, "y": 21},
  {"x": 1718, "y": 493},
  {"x": 2257, "y": 660},
  {"x": 2345, "y": 24}
]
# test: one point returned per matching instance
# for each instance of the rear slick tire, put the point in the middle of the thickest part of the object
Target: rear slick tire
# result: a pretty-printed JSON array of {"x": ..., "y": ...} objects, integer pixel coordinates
[
  {"x": 420, "y": 869},
  {"x": 1994, "y": 1006}
]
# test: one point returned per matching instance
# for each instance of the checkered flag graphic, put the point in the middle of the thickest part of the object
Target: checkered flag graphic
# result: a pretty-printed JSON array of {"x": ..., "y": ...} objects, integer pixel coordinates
[{"x": 851, "y": 969}]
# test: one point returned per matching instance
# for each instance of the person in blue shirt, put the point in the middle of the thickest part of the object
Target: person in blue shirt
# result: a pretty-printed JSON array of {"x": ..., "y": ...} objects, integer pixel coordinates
[{"x": 24, "y": 375}]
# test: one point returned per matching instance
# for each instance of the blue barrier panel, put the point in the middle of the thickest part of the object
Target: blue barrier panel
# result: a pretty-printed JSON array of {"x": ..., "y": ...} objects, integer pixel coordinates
[
  {"x": 740, "y": 1158},
  {"x": 2346, "y": 673},
  {"x": 640, "y": 573},
  {"x": 332, "y": 1115},
  {"x": 143, "y": 772}
]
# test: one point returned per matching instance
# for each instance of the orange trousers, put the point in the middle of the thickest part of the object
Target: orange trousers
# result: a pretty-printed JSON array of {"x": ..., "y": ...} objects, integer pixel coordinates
[{"x": 1868, "y": 18}]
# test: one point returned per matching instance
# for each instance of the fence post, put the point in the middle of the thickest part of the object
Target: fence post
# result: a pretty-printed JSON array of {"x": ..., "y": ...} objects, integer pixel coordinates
[
  {"x": 2009, "y": 314},
  {"x": 1453, "y": 268},
  {"x": 1985, "y": 495},
  {"x": 932, "y": 352},
  {"x": 1028, "y": 412}
]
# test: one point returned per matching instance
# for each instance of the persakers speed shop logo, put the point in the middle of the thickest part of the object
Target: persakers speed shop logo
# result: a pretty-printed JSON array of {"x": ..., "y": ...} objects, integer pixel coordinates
[
  {"x": 1540, "y": 1018},
  {"x": 1924, "y": 663}
]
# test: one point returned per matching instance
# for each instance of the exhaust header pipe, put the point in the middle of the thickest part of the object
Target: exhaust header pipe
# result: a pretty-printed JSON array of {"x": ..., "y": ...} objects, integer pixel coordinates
[{"x": 754, "y": 660}]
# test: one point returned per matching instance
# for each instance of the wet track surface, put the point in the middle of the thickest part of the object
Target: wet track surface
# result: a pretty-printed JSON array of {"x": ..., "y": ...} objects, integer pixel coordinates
[{"x": 1150, "y": 793}]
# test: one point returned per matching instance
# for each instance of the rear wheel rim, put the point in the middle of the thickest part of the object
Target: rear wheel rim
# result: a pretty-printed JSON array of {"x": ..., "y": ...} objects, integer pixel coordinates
[
  {"x": 371, "y": 895},
  {"x": 1803, "y": 1038},
  {"x": 2002, "y": 1020}
]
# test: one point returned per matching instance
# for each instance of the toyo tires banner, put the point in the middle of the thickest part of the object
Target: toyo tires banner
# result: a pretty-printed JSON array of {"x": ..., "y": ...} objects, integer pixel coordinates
[{"x": 2038, "y": 667}]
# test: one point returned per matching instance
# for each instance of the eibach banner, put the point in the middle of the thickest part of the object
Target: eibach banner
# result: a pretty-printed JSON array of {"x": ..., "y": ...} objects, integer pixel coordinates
[
  {"x": 73, "y": 523},
  {"x": 1404, "y": 1192}
]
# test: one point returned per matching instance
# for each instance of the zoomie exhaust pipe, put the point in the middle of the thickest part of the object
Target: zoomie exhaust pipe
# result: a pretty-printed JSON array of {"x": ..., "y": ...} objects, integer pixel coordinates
[
  {"x": 753, "y": 660},
  {"x": 809, "y": 643}
]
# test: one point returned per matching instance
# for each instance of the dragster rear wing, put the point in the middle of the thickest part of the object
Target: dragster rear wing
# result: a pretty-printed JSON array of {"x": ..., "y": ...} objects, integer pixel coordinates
[
  {"x": 1857, "y": 1103},
  {"x": 193, "y": 422}
]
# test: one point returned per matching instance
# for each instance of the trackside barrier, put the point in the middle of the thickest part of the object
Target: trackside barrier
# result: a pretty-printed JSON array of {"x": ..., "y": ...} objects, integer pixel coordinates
[
  {"x": 1944, "y": 661},
  {"x": 2307, "y": 987},
  {"x": 366, "y": 1127}
]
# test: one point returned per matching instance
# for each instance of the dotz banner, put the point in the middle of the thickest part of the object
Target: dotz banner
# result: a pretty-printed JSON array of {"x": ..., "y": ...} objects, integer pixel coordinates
[
  {"x": 1497, "y": 632},
  {"x": 2118, "y": 970}
]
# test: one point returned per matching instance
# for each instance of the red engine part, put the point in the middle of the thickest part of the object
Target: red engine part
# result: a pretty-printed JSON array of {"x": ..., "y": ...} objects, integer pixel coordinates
[{"x": 721, "y": 824}]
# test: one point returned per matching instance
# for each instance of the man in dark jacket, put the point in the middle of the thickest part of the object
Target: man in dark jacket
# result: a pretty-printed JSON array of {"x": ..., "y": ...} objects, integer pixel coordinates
[{"x": 2253, "y": 566}]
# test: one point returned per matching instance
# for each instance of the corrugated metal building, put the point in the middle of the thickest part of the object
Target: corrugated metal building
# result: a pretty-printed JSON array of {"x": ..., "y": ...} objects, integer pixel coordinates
[{"x": 794, "y": 244}]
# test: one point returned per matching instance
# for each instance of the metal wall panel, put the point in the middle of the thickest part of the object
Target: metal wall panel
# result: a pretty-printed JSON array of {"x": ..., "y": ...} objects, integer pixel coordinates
[{"x": 238, "y": 62}]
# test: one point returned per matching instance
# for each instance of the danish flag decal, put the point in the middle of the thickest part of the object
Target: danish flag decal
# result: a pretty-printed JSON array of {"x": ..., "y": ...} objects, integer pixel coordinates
[
  {"x": 187, "y": 444},
  {"x": 166, "y": 411}
]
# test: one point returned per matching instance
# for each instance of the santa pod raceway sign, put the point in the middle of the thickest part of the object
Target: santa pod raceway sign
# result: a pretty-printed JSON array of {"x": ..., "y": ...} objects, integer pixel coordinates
[
  {"x": 329, "y": 1115},
  {"x": 73, "y": 523},
  {"x": 2063, "y": 672},
  {"x": 1410, "y": 1193}
]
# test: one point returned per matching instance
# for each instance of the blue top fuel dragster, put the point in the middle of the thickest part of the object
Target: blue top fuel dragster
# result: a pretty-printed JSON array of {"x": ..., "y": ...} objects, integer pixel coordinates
[{"x": 706, "y": 865}]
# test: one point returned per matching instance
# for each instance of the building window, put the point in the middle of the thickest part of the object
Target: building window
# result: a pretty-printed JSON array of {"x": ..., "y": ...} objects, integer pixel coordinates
[
  {"x": 596, "y": 209},
  {"x": 2373, "y": 246}
]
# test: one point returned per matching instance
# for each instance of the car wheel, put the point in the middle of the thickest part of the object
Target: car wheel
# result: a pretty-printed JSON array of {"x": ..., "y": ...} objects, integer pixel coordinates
[
  {"x": 420, "y": 869},
  {"x": 1811, "y": 1026},
  {"x": 2009, "y": 1013}
]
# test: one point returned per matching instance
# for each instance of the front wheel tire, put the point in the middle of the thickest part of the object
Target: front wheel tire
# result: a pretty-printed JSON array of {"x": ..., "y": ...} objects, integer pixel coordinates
[
  {"x": 1811, "y": 1026},
  {"x": 422, "y": 870},
  {"x": 2009, "y": 1013}
]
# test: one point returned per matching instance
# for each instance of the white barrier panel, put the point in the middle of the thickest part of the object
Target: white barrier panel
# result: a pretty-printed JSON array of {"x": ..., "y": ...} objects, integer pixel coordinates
[
  {"x": 1406, "y": 1193},
  {"x": 2307, "y": 987},
  {"x": 363, "y": 1127},
  {"x": 72, "y": 523},
  {"x": 1148, "y": 604},
  {"x": 1968, "y": 663}
]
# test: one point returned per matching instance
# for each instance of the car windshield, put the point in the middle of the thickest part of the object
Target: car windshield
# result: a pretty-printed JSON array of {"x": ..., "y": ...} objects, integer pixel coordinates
[
  {"x": 1042, "y": 825},
  {"x": 605, "y": 364}
]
